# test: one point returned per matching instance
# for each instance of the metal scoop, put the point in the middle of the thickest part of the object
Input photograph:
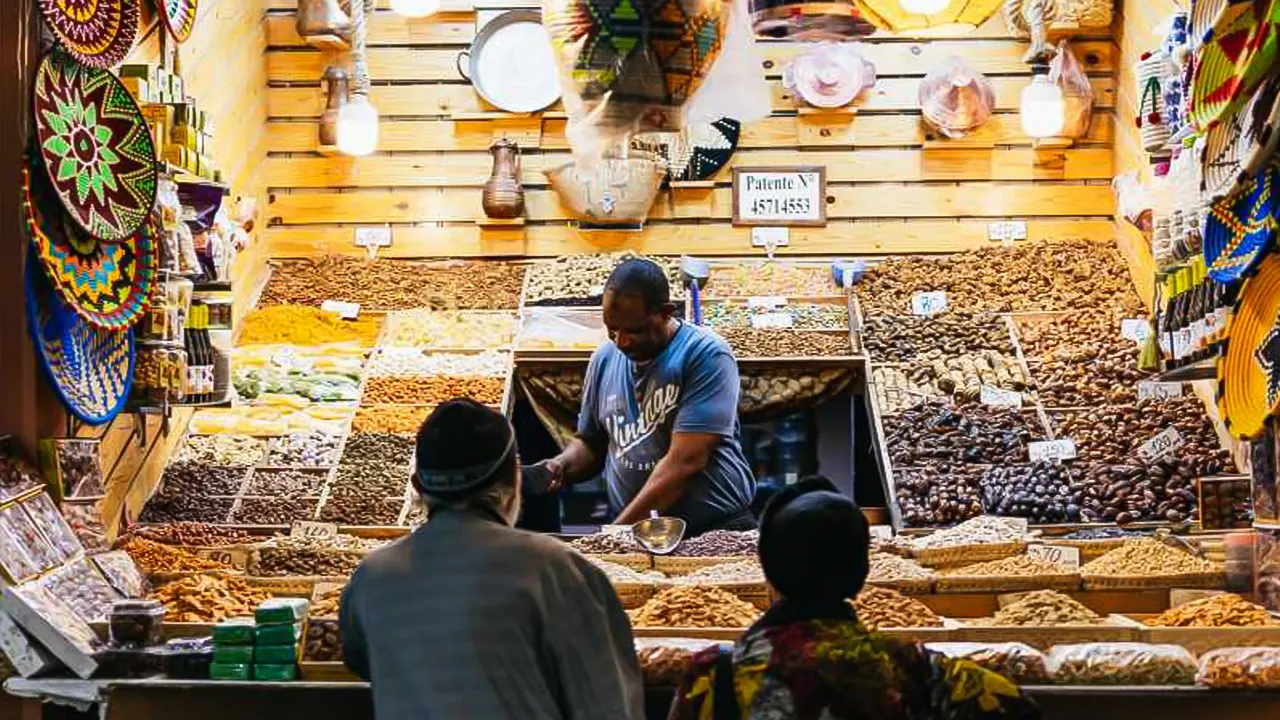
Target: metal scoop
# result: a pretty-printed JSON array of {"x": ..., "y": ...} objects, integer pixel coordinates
[{"x": 659, "y": 535}]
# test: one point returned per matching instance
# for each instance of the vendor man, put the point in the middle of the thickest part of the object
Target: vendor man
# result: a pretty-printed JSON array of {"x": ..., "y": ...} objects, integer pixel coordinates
[{"x": 660, "y": 413}]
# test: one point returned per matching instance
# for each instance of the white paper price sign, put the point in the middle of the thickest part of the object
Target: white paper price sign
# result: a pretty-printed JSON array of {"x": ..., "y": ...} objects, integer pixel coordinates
[
  {"x": 766, "y": 302},
  {"x": 928, "y": 303},
  {"x": 1135, "y": 329},
  {"x": 309, "y": 529},
  {"x": 881, "y": 532},
  {"x": 771, "y": 321},
  {"x": 345, "y": 310},
  {"x": 1062, "y": 449},
  {"x": 235, "y": 558},
  {"x": 615, "y": 529},
  {"x": 1160, "y": 445},
  {"x": 1152, "y": 390},
  {"x": 996, "y": 397},
  {"x": 1057, "y": 554}
]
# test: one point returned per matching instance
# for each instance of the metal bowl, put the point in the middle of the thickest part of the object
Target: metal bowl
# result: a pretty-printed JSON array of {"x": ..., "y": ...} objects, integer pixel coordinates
[
  {"x": 510, "y": 66},
  {"x": 659, "y": 535}
]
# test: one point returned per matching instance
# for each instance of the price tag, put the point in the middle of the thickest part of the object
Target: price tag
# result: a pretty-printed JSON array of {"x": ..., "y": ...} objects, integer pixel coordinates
[
  {"x": 1152, "y": 390},
  {"x": 1063, "y": 449},
  {"x": 771, "y": 321},
  {"x": 1000, "y": 398},
  {"x": 345, "y": 310},
  {"x": 881, "y": 532},
  {"x": 928, "y": 303},
  {"x": 766, "y": 302},
  {"x": 615, "y": 529},
  {"x": 1182, "y": 346},
  {"x": 1160, "y": 445},
  {"x": 1135, "y": 329},
  {"x": 309, "y": 529},
  {"x": 235, "y": 558},
  {"x": 1058, "y": 554},
  {"x": 595, "y": 290}
]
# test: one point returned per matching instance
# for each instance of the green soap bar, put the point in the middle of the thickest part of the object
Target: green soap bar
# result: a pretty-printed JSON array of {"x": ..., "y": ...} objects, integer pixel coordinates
[
  {"x": 282, "y": 610},
  {"x": 233, "y": 654},
  {"x": 275, "y": 672},
  {"x": 276, "y": 654},
  {"x": 285, "y": 634},
  {"x": 236, "y": 631},
  {"x": 229, "y": 671}
]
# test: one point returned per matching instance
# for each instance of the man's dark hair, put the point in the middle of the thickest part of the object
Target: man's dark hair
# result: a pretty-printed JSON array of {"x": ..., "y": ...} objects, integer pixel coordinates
[
  {"x": 643, "y": 279},
  {"x": 461, "y": 434}
]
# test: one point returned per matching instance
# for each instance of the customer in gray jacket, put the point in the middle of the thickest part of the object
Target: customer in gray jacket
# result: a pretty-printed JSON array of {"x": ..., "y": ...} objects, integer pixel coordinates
[{"x": 470, "y": 618}]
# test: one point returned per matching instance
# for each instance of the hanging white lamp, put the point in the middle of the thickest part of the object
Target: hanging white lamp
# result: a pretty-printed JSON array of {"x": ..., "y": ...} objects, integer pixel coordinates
[
  {"x": 1042, "y": 107},
  {"x": 416, "y": 8},
  {"x": 924, "y": 7},
  {"x": 357, "y": 129}
]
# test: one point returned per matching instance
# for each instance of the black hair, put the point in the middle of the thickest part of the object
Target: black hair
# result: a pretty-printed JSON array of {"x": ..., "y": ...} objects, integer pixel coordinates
[
  {"x": 643, "y": 279},
  {"x": 814, "y": 542},
  {"x": 460, "y": 434}
]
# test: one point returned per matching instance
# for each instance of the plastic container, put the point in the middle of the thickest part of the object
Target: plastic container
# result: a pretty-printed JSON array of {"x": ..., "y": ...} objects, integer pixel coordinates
[
  {"x": 236, "y": 631},
  {"x": 1239, "y": 560},
  {"x": 128, "y": 663},
  {"x": 136, "y": 623},
  {"x": 275, "y": 673},
  {"x": 188, "y": 658}
]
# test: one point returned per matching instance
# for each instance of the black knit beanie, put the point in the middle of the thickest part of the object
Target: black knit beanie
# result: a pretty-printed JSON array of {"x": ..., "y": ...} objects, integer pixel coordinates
[{"x": 814, "y": 543}]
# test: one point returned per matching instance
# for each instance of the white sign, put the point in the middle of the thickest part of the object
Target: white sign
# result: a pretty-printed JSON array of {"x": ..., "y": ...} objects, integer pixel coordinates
[
  {"x": 309, "y": 529},
  {"x": 780, "y": 196},
  {"x": 766, "y": 302},
  {"x": 1061, "y": 449},
  {"x": 1068, "y": 557},
  {"x": 344, "y": 310},
  {"x": 374, "y": 237},
  {"x": 928, "y": 303},
  {"x": 1152, "y": 390},
  {"x": 1135, "y": 329},
  {"x": 881, "y": 532},
  {"x": 771, "y": 321},
  {"x": 1000, "y": 398},
  {"x": 770, "y": 237},
  {"x": 1160, "y": 445}
]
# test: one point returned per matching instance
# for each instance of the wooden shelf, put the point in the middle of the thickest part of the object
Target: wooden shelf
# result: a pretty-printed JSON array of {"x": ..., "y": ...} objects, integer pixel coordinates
[
  {"x": 692, "y": 184},
  {"x": 328, "y": 42},
  {"x": 1052, "y": 143},
  {"x": 499, "y": 223},
  {"x": 810, "y": 111}
]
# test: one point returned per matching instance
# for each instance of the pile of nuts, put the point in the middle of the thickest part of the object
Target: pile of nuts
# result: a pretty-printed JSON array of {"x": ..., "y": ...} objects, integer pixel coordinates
[
  {"x": 1012, "y": 566},
  {"x": 694, "y": 606},
  {"x": 982, "y": 530},
  {"x": 899, "y": 339},
  {"x": 433, "y": 390},
  {"x": 223, "y": 450},
  {"x": 1042, "y": 608},
  {"x": 273, "y": 510},
  {"x": 1123, "y": 663},
  {"x": 366, "y": 449},
  {"x": 356, "y": 510},
  {"x": 623, "y": 575},
  {"x": 772, "y": 390},
  {"x": 395, "y": 419},
  {"x": 884, "y": 608},
  {"x": 1225, "y": 610},
  {"x": 974, "y": 434},
  {"x": 277, "y": 562},
  {"x": 286, "y": 483},
  {"x": 887, "y": 569},
  {"x": 181, "y": 507},
  {"x": 194, "y": 534},
  {"x": 154, "y": 557},
  {"x": 938, "y": 493},
  {"x": 307, "y": 449},
  {"x": 398, "y": 361},
  {"x": 605, "y": 544},
  {"x": 1113, "y": 434},
  {"x": 719, "y": 543},
  {"x": 386, "y": 284},
  {"x": 1148, "y": 557},
  {"x": 666, "y": 661},
  {"x": 804, "y": 316},
  {"x": 742, "y": 571},
  {"x": 458, "y": 330},
  {"x": 580, "y": 279},
  {"x": 196, "y": 478},
  {"x": 750, "y": 343},
  {"x": 208, "y": 598},
  {"x": 1020, "y": 663},
  {"x": 770, "y": 279}
]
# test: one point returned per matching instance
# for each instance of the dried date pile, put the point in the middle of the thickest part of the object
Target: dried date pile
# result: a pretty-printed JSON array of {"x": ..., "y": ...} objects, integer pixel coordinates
[
  {"x": 899, "y": 339},
  {"x": 194, "y": 534},
  {"x": 1112, "y": 435},
  {"x": 938, "y": 493},
  {"x": 974, "y": 434}
]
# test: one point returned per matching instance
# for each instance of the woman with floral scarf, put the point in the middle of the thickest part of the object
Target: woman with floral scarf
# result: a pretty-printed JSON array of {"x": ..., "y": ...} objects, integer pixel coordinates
[{"x": 808, "y": 657}]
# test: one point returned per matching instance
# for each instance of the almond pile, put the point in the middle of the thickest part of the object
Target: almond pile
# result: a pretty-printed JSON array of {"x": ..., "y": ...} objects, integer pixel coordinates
[{"x": 694, "y": 606}]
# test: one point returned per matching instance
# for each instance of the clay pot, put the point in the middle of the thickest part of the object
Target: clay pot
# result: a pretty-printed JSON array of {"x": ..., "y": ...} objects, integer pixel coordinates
[
  {"x": 322, "y": 22},
  {"x": 336, "y": 81},
  {"x": 503, "y": 197}
]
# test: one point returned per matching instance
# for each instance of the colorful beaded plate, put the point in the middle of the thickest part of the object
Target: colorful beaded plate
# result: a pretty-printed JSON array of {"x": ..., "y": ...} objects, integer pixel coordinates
[
  {"x": 1239, "y": 47},
  {"x": 1249, "y": 368},
  {"x": 179, "y": 17},
  {"x": 107, "y": 284},
  {"x": 696, "y": 153},
  {"x": 95, "y": 147},
  {"x": 91, "y": 369},
  {"x": 1241, "y": 227},
  {"x": 99, "y": 33}
]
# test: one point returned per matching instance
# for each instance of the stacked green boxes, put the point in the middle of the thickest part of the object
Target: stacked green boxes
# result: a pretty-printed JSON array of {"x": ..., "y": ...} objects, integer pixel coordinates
[
  {"x": 232, "y": 650},
  {"x": 263, "y": 647}
]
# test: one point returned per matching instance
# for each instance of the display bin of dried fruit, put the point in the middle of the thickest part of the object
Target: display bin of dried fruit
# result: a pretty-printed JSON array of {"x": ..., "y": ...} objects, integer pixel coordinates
[
  {"x": 907, "y": 586},
  {"x": 756, "y": 593},
  {"x": 1200, "y": 640},
  {"x": 1220, "y": 488},
  {"x": 293, "y": 585},
  {"x": 958, "y": 555},
  {"x": 237, "y": 556},
  {"x": 160, "y": 578},
  {"x": 503, "y": 406},
  {"x": 348, "y": 558},
  {"x": 1045, "y": 637},
  {"x": 1212, "y": 580},
  {"x": 1006, "y": 583},
  {"x": 579, "y": 280},
  {"x": 1089, "y": 549},
  {"x": 397, "y": 330},
  {"x": 843, "y": 305},
  {"x": 681, "y": 565},
  {"x": 770, "y": 278},
  {"x": 635, "y": 561},
  {"x": 581, "y": 332}
]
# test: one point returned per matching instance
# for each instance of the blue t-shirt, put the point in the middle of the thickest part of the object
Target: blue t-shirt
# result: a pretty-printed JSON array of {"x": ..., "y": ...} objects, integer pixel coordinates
[{"x": 692, "y": 386}]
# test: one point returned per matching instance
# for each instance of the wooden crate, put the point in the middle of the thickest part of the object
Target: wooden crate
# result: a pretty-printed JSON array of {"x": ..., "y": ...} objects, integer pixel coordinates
[
  {"x": 1199, "y": 640},
  {"x": 1043, "y": 638}
]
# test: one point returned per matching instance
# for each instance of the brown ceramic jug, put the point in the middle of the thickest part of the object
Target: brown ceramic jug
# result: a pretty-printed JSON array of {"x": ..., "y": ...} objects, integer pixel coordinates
[
  {"x": 503, "y": 197},
  {"x": 335, "y": 79}
]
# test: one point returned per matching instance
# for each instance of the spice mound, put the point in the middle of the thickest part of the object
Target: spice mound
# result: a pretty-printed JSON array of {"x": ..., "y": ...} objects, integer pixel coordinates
[
  {"x": 293, "y": 325},
  {"x": 1042, "y": 608},
  {"x": 154, "y": 557},
  {"x": 1015, "y": 565},
  {"x": 883, "y": 608},
  {"x": 1224, "y": 610},
  {"x": 208, "y": 598},
  {"x": 694, "y": 606},
  {"x": 1148, "y": 556}
]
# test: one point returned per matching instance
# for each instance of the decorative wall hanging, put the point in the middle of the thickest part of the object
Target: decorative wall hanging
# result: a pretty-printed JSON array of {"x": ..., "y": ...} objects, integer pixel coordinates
[
  {"x": 90, "y": 368},
  {"x": 95, "y": 146},
  {"x": 956, "y": 99},
  {"x": 107, "y": 284},
  {"x": 1249, "y": 368},
  {"x": 1241, "y": 227},
  {"x": 1239, "y": 49},
  {"x": 1032, "y": 19},
  {"x": 99, "y": 33},
  {"x": 696, "y": 153},
  {"x": 503, "y": 196},
  {"x": 954, "y": 15},
  {"x": 1151, "y": 70},
  {"x": 829, "y": 76},
  {"x": 610, "y": 191},
  {"x": 511, "y": 63},
  {"x": 809, "y": 20},
  {"x": 179, "y": 16}
]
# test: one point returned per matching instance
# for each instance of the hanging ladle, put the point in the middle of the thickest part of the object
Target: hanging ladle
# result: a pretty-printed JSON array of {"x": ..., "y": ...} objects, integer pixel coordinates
[{"x": 659, "y": 535}]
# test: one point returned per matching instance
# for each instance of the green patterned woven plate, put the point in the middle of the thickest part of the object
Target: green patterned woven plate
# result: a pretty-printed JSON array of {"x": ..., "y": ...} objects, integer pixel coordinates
[
  {"x": 99, "y": 33},
  {"x": 179, "y": 16}
]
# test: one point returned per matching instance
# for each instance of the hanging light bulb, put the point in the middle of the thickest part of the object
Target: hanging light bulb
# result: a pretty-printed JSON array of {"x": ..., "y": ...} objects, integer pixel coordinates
[
  {"x": 416, "y": 8},
  {"x": 924, "y": 7},
  {"x": 1042, "y": 108},
  {"x": 357, "y": 126}
]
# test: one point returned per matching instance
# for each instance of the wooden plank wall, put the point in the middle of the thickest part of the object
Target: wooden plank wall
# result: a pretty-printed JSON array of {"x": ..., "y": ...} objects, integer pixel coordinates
[
  {"x": 887, "y": 192},
  {"x": 224, "y": 67}
]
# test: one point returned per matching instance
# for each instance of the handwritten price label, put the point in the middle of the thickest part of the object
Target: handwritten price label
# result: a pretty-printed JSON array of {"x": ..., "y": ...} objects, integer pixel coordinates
[
  {"x": 1135, "y": 329},
  {"x": 881, "y": 532},
  {"x": 771, "y": 321},
  {"x": 309, "y": 529},
  {"x": 996, "y": 397},
  {"x": 928, "y": 303},
  {"x": 1160, "y": 445},
  {"x": 344, "y": 310},
  {"x": 1063, "y": 449},
  {"x": 1151, "y": 390},
  {"x": 1058, "y": 554},
  {"x": 766, "y": 302},
  {"x": 234, "y": 558}
]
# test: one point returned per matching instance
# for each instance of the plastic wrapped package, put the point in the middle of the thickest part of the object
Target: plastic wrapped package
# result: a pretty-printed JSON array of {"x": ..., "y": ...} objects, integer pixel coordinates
[
  {"x": 1252, "y": 668},
  {"x": 186, "y": 658},
  {"x": 1019, "y": 662},
  {"x": 136, "y": 623},
  {"x": 561, "y": 329},
  {"x": 56, "y": 530},
  {"x": 17, "y": 476},
  {"x": 85, "y": 520},
  {"x": 1121, "y": 663},
  {"x": 38, "y": 548},
  {"x": 665, "y": 661},
  {"x": 956, "y": 99},
  {"x": 169, "y": 210},
  {"x": 1077, "y": 93},
  {"x": 82, "y": 588},
  {"x": 122, "y": 573},
  {"x": 15, "y": 560}
]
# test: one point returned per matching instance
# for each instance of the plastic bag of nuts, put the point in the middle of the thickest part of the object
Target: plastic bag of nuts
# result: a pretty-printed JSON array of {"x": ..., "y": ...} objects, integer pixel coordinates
[
  {"x": 1020, "y": 663},
  {"x": 665, "y": 661},
  {"x": 323, "y": 641},
  {"x": 1121, "y": 663},
  {"x": 1254, "y": 668}
]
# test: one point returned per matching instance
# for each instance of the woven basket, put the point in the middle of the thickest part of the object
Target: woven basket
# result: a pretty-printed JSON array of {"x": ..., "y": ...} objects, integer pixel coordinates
[
  {"x": 294, "y": 585},
  {"x": 614, "y": 191},
  {"x": 1145, "y": 582},
  {"x": 958, "y": 555},
  {"x": 633, "y": 595},
  {"x": 1007, "y": 583},
  {"x": 1089, "y": 549},
  {"x": 671, "y": 565},
  {"x": 635, "y": 561},
  {"x": 913, "y": 586}
]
